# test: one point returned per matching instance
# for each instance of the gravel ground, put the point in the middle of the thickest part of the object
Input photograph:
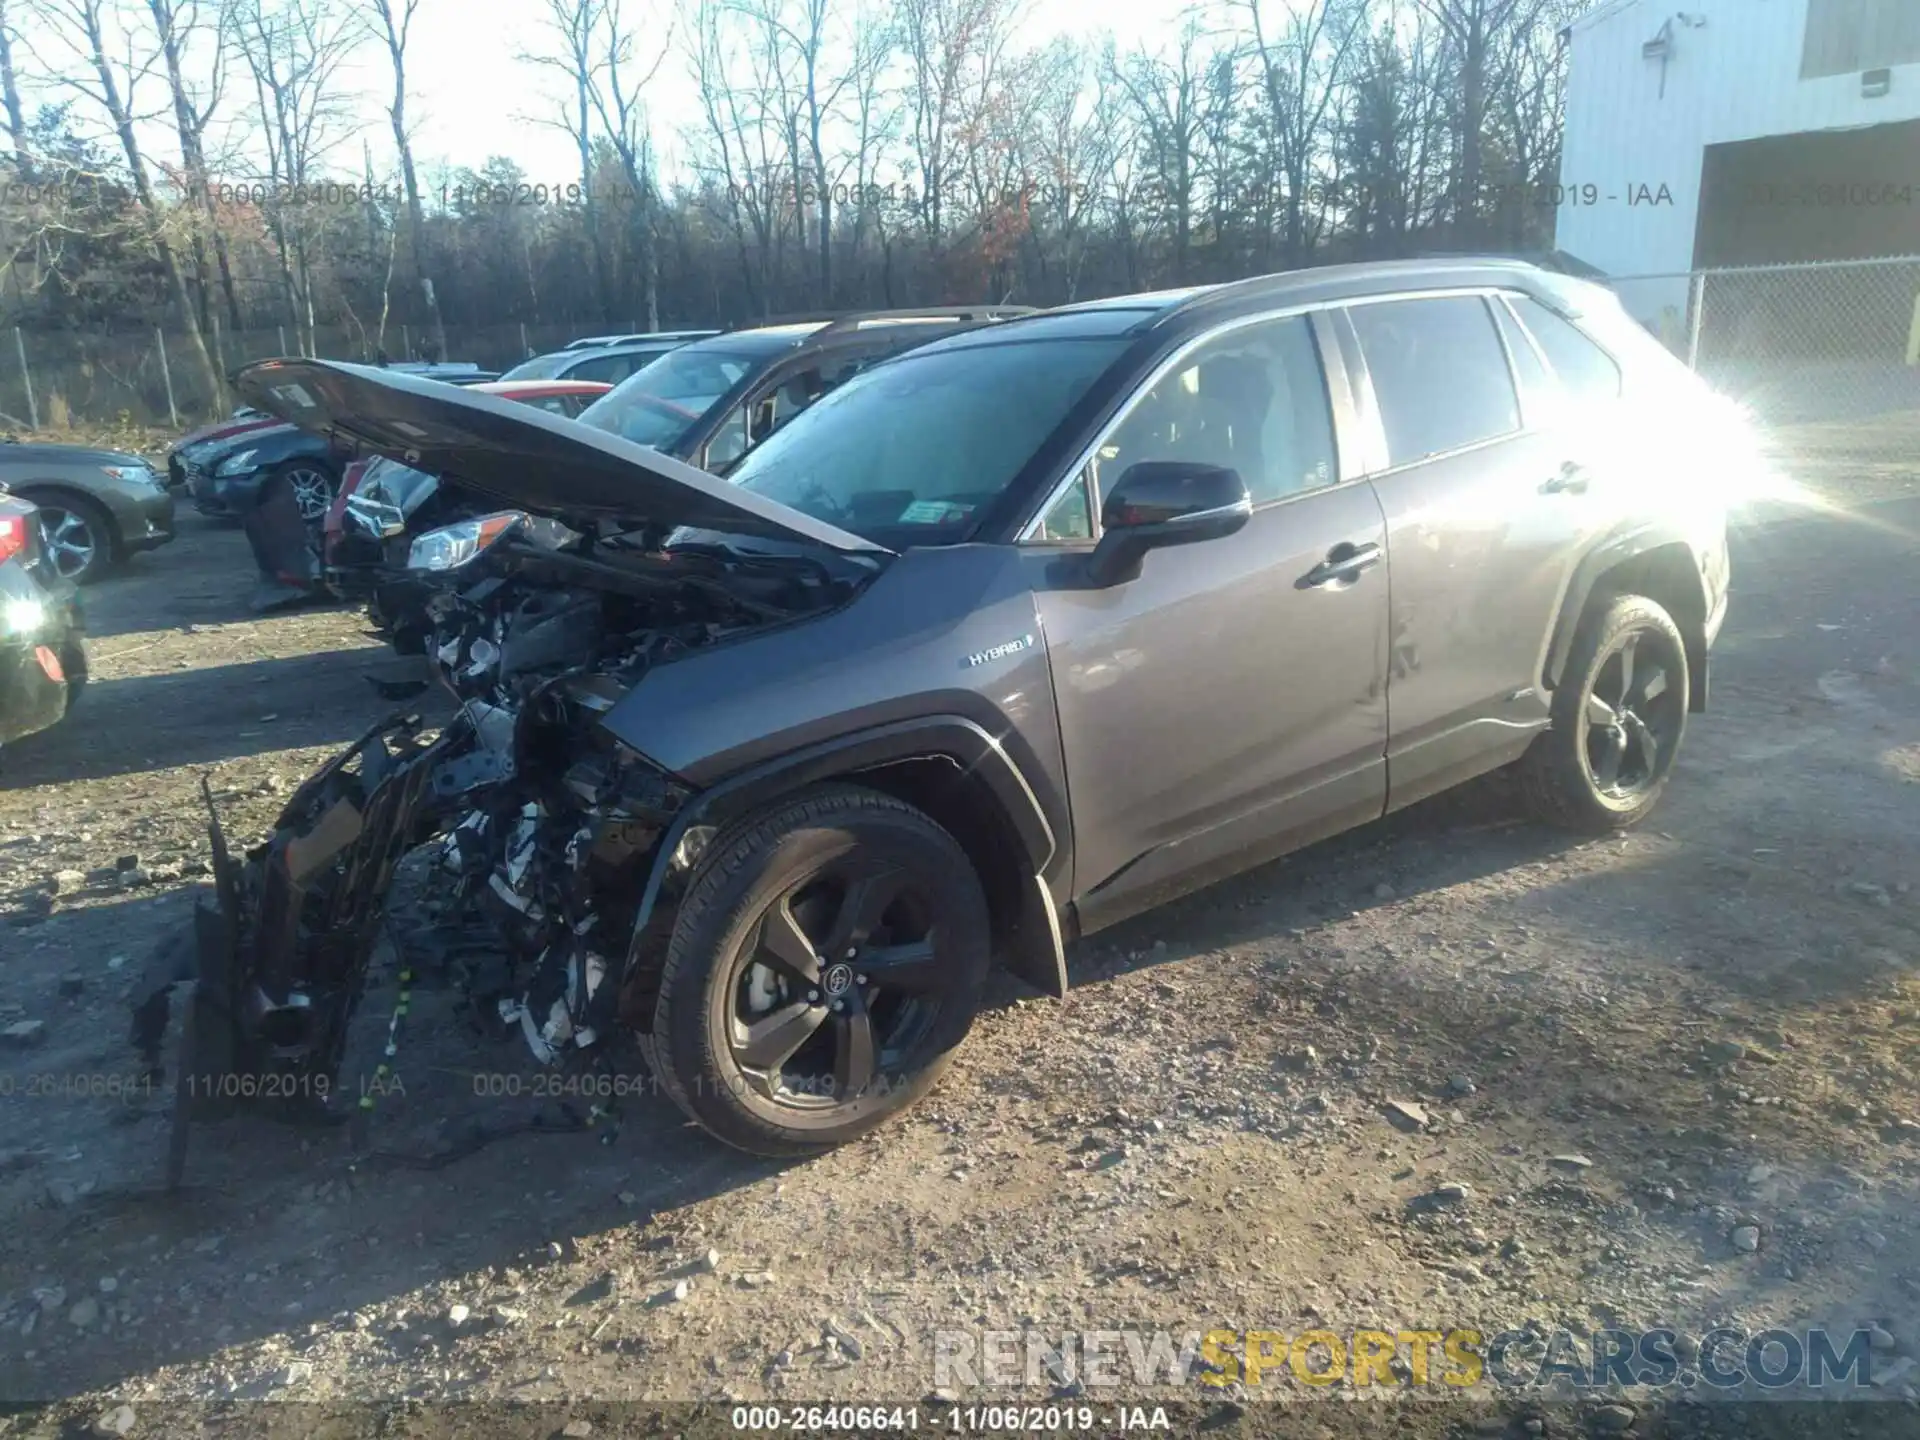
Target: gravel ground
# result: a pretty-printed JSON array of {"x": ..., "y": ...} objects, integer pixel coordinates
[{"x": 1451, "y": 1070}]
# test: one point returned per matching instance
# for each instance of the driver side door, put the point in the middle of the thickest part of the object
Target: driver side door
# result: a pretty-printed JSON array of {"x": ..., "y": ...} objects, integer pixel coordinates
[{"x": 1229, "y": 702}]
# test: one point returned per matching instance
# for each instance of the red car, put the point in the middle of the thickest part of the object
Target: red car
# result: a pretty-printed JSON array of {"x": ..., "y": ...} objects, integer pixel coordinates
[{"x": 560, "y": 397}]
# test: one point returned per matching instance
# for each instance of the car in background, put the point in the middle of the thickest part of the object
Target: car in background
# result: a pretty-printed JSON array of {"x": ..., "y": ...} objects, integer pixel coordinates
[
  {"x": 190, "y": 448},
  {"x": 43, "y": 658},
  {"x": 382, "y": 502},
  {"x": 226, "y": 472},
  {"x": 711, "y": 400},
  {"x": 600, "y": 342},
  {"x": 95, "y": 507},
  {"x": 606, "y": 358}
]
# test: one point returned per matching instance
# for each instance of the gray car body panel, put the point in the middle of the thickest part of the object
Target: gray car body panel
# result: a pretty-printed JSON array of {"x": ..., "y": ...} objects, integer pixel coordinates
[
  {"x": 949, "y": 631},
  {"x": 142, "y": 516}
]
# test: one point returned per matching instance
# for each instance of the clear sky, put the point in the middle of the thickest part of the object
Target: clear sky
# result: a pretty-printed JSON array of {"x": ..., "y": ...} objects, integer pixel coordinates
[
  {"x": 470, "y": 94},
  {"x": 473, "y": 97}
]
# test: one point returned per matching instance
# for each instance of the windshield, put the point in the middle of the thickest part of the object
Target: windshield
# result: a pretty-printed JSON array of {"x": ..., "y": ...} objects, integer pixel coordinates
[
  {"x": 541, "y": 367},
  {"x": 910, "y": 452},
  {"x": 657, "y": 406}
]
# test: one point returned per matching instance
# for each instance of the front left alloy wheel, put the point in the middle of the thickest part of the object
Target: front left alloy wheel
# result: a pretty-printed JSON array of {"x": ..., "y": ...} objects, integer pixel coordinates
[
  {"x": 75, "y": 536},
  {"x": 827, "y": 961}
]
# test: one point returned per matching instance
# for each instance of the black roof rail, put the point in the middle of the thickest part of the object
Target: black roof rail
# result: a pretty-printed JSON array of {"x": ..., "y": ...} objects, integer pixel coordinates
[{"x": 831, "y": 320}]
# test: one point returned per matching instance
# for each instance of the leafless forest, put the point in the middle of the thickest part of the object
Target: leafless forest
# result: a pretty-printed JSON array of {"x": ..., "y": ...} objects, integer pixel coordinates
[{"x": 845, "y": 152}]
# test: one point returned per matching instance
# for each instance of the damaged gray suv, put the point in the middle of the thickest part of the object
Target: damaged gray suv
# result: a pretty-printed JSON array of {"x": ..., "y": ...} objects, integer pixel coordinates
[{"x": 1001, "y": 642}]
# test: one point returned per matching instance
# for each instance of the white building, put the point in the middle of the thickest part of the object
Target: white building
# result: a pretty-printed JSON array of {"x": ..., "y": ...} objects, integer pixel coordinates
[{"x": 1707, "y": 133}]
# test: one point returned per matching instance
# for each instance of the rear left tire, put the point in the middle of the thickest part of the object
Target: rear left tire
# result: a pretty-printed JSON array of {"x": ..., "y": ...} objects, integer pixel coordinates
[{"x": 1619, "y": 714}]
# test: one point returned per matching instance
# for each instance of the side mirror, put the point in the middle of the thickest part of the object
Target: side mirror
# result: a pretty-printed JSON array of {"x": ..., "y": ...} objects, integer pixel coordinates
[{"x": 1165, "y": 502}]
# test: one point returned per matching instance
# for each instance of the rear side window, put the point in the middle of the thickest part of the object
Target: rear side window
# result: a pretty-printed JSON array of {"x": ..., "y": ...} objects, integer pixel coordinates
[
  {"x": 1439, "y": 374},
  {"x": 1585, "y": 370},
  {"x": 608, "y": 369}
]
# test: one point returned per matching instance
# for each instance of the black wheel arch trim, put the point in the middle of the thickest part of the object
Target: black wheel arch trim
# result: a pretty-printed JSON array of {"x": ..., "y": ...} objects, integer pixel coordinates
[
  {"x": 1605, "y": 557},
  {"x": 1036, "y": 952}
]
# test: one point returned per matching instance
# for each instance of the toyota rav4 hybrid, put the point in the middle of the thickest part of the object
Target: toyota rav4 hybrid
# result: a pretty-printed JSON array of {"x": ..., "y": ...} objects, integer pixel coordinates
[{"x": 1002, "y": 641}]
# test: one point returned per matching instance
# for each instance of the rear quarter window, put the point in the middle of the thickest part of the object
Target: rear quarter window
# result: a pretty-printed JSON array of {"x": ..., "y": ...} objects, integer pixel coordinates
[{"x": 1583, "y": 369}]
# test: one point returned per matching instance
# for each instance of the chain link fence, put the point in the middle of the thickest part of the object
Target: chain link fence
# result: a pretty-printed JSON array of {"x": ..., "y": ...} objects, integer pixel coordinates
[{"x": 1825, "y": 356}]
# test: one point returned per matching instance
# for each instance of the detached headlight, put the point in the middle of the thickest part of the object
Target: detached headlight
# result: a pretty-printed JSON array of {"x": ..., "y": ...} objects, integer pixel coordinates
[
  {"x": 236, "y": 464},
  {"x": 376, "y": 517},
  {"x": 136, "y": 475},
  {"x": 452, "y": 546},
  {"x": 24, "y": 617}
]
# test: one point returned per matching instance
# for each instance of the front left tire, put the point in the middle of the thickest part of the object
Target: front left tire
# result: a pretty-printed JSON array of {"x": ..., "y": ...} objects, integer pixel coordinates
[
  {"x": 76, "y": 535},
  {"x": 827, "y": 961},
  {"x": 313, "y": 484}
]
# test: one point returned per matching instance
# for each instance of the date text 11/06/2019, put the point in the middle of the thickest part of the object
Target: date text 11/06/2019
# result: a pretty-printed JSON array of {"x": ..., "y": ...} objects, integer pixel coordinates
[{"x": 954, "y": 1419}]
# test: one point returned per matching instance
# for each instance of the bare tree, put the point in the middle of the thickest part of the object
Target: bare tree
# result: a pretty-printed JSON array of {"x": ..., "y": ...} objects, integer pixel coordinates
[
  {"x": 954, "y": 49},
  {"x": 391, "y": 23},
  {"x": 10, "y": 88},
  {"x": 109, "y": 81},
  {"x": 872, "y": 114},
  {"x": 617, "y": 84},
  {"x": 1303, "y": 67},
  {"x": 176, "y": 25},
  {"x": 296, "y": 51},
  {"x": 1477, "y": 32},
  {"x": 1169, "y": 99},
  {"x": 575, "y": 28}
]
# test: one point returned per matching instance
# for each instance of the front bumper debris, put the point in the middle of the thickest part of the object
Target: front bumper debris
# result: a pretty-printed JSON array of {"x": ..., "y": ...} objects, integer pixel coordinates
[{"x": 276, "y": 958}]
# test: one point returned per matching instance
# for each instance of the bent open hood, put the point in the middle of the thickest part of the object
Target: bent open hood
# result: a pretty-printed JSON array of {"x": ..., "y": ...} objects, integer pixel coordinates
[{"x": 518, "y": 453}]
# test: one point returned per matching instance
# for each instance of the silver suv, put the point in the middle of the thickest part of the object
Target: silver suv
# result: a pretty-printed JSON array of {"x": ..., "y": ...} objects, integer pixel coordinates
[{"x": 1001, "y": 641}]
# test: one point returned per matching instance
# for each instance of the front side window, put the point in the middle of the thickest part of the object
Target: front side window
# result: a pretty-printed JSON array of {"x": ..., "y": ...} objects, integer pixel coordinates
[
  {"x": 1253, "y": 400},
  {"x": 1439, "y": 373},
  {"x": 912, "y": 451},
  {"x": 661, "y": 403}
]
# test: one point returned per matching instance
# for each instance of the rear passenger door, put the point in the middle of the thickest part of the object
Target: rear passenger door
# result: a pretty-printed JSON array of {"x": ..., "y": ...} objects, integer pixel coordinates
[{"x": 1483, "y": 530}]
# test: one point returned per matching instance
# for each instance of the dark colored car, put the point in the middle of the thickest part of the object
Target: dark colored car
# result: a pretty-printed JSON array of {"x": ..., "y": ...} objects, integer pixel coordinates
[
  {"x": 191, "y": 449},
  {"x": 226, "y": 472},
  {"x": 43, "y": 657},
  {"x": 711, "y": 400},
  {"x": 1003, "y": 641},
  {"x": 608, "y": 359},
  {"x": 96, "y": 507}
]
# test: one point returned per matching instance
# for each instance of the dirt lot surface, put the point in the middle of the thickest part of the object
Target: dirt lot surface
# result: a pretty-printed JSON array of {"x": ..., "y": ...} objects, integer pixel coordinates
[{"x": 1673, "y": 1074}]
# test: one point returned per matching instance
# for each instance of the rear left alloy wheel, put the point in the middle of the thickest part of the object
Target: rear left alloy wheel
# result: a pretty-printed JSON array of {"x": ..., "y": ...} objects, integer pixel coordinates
[
  {"x": 1618, "y": 717},
  {"x": 825, "y": 965}
]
